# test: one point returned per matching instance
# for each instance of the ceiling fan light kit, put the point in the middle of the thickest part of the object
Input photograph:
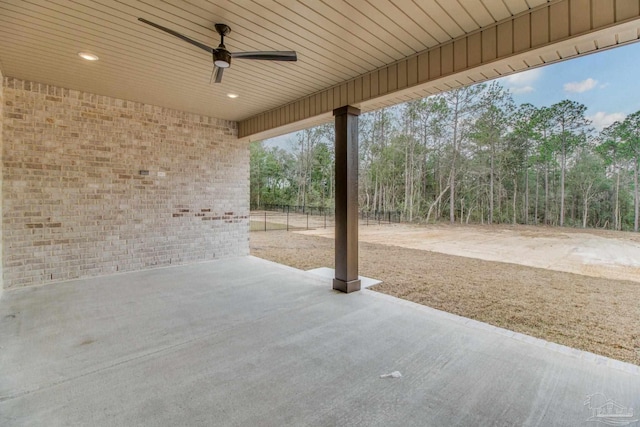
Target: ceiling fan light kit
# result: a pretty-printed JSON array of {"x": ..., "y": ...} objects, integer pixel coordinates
[
  {"x": 221, "y": 56},
  {"x": 222, "y": 59}
]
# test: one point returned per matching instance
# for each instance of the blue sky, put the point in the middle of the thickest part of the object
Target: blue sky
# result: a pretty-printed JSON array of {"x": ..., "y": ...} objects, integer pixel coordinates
[{"x": 608, "y": 83}]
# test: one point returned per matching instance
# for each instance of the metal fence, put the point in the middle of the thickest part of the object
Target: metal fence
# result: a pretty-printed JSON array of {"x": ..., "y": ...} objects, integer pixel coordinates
[{"x": 286, "y": 217}]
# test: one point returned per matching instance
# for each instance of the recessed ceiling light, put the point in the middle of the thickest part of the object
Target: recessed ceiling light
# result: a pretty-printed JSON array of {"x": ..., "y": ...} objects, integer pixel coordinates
[
  {"x": 232, "y": 95},
  {"x": 88, "y": 56}
]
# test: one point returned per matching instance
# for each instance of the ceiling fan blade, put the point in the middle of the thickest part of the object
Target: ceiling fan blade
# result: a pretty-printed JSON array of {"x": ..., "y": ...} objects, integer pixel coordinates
[
  {"x": 267, "y": 56},
  {"x": 218, "y": 74},
  {"x": 180, "y": 36}
]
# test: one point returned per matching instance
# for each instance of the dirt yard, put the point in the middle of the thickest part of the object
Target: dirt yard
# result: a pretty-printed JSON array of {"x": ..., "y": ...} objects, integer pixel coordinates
[
  {"x": 592, "y": 253},
  {"x": 522, "y": 293}
]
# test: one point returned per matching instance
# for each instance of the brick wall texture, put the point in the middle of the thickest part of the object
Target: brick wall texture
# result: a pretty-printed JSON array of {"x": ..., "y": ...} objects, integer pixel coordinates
[{"x": 78, "y": 202}]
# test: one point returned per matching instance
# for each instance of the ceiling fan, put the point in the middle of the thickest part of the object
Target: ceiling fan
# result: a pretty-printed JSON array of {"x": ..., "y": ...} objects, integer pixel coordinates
[{"x": 221, "y": 56}]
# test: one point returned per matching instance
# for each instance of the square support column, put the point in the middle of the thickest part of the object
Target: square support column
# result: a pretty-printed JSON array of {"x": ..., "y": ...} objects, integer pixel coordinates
[{"x": 346, "y": 150}]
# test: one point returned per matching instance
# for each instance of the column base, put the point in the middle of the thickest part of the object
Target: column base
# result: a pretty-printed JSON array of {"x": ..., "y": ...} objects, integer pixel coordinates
[{"x": 346, "y": 287}]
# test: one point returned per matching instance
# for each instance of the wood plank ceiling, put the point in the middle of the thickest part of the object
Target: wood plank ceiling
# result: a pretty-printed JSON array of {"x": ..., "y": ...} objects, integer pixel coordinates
[
  {"x": 548, "y": 33},
  {"x": 336, "y": 41}
]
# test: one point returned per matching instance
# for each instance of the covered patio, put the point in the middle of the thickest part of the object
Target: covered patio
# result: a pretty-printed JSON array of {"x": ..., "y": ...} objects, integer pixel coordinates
[
  {"x": 128, "y": 295},
  {"x": 151, "y": 90},
  {"x": 248, "y": 342}
]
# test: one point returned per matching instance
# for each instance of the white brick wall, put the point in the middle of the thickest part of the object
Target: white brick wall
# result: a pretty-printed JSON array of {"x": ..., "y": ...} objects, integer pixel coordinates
[{"x": 76, "y": 205}]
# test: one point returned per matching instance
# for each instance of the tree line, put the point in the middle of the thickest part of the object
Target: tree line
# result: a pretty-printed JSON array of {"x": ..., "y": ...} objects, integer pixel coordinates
[{"x": 470, "y": 155}]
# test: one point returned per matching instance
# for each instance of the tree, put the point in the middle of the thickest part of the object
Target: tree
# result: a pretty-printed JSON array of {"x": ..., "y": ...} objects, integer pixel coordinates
[
  {"x": 611, "y": 150},
  {"x": 489, "y": 130},
  {"x": 631, "y": 150},
  {"x": 545, "y": 153},
  {"x": 272, "y": 175},
  {"x": 322, "y": 175},
  {"x": 588, "y": 177},
  {"x": 378, "y": 128},
  {"x": 306, "y": 143},
  {"x": 411, "y": 155},
  {"x": 569, "y": 122},
  {"x": 257, "y": 155},
  {"x": 473, "y": 152},
  {"x": 429, "y": 115},
  {"x": 523, "y": 137},
  {"x": 462, "y": 103}
]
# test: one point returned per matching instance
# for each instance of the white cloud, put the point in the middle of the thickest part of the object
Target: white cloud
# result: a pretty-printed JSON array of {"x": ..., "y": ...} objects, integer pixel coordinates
[
  {"x": 579, "y": 87},
  {"x": 522, "y": 82},
  {"x": 524, "y": 78},
  {"x": 601, "y": 120},
  {"x": 523, "y": 89}
]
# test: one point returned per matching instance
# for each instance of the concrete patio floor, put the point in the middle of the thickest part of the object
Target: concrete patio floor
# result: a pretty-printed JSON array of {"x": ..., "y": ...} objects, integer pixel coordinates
[{"x": 246, "y": 342}]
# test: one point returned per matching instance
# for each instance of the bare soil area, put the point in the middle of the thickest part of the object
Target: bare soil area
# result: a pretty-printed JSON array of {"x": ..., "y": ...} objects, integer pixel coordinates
[
  {"x": 596, "y": 314},
  {"x": 598, "y": 253}
]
